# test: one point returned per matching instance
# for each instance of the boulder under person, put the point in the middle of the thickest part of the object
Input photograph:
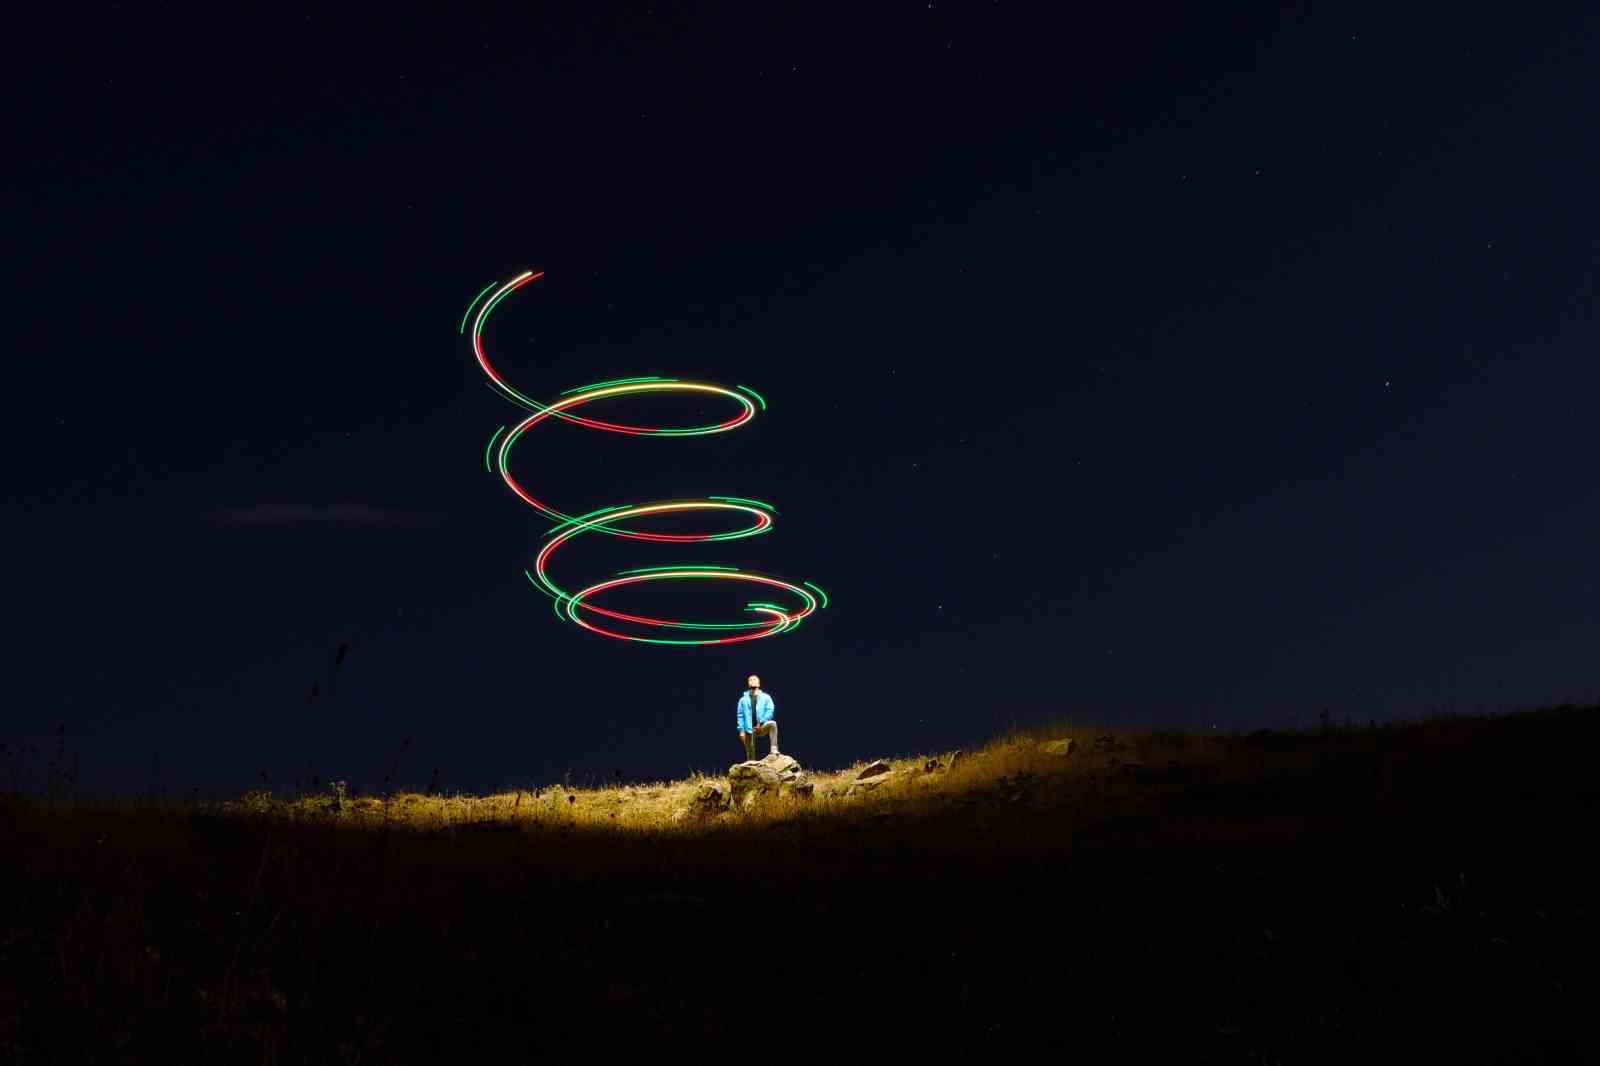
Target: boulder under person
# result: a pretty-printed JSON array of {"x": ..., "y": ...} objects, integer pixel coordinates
[{"x": 755, "y": 715}]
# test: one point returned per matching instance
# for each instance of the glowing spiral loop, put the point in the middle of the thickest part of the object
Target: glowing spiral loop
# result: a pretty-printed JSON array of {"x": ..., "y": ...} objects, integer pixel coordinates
[{"x": 579, "y": 607}]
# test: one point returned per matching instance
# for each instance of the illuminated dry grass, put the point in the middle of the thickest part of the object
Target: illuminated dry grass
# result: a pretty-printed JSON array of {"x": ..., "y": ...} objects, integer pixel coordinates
[{"x": 665, "y": 806}]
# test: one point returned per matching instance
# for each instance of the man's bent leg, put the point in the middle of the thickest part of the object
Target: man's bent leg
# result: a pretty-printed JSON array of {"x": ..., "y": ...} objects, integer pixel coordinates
[{"x": 771, "y": 729}]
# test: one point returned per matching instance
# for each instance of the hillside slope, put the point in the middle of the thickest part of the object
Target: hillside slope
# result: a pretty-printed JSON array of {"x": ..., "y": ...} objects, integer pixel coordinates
[{"x": 1272, "y": 897}]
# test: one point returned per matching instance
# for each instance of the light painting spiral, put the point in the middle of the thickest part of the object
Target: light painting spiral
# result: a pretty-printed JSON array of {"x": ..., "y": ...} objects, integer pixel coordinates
[{"x": 581, "y": 607}]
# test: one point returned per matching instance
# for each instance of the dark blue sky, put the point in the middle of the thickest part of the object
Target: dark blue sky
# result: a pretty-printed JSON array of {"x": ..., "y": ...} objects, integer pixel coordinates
[{"x": 1150, "y": 369}]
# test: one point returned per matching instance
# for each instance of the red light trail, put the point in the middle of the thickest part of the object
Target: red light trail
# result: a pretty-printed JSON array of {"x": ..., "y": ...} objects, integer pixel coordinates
[{"x": 578, "y": 607}]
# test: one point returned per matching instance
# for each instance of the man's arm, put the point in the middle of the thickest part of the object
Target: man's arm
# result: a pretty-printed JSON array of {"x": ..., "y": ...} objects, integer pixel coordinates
[{"x": 739, "y": 721}]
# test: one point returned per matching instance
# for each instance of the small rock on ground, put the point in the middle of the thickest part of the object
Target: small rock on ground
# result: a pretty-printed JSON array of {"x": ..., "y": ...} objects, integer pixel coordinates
[
  {"x": 873, "y": 769},
  {"x": 709, "y": 799},
  {"x": 867, "y": 784}
]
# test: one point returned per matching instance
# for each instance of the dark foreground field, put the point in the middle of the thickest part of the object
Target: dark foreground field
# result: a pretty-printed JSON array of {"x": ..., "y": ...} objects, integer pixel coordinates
[{"x": 1416, "y": 894}]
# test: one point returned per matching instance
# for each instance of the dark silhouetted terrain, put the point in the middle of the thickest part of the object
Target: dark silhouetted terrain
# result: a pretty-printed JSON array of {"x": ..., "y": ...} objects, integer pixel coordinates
[{"x": 1421, "y": 893}]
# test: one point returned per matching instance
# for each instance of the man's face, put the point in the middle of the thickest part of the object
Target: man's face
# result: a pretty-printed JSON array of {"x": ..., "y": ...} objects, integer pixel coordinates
[{"x": 754, "y": 681}]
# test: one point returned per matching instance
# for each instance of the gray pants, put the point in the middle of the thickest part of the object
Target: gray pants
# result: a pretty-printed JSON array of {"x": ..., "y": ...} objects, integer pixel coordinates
[{"x": 768, "y": 727}]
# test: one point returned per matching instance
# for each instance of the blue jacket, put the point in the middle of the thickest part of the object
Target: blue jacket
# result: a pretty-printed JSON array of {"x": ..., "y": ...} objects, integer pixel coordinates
[{"x": 764, "y": 709}]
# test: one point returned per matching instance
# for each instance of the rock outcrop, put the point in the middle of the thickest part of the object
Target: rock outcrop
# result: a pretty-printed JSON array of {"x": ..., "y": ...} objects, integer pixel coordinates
[
  {"x": 1064, "y": 746},
  {"x": 776, "y": 775}
]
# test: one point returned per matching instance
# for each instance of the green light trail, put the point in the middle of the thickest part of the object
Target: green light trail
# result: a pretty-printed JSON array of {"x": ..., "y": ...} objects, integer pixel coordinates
[
  {"x": 588, "y": 607},
  {"x": 487, "y": 465},
  {"x": 614, "y": 381},
  {"x": 743, "y": 499},
  {"x": 474, "y": 303}
]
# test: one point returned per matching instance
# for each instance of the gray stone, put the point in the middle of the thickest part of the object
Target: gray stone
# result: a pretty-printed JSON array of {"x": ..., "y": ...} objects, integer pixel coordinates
[
  {"x": 1064, "y": 746},
  {"x": 868, "y": 784},
  {"x": 873, "y": 769},
  {"x": 749, "y": 781}
]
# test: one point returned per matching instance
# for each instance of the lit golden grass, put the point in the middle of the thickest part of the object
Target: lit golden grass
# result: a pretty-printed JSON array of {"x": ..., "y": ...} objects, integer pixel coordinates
[
  {"x": 663, "y": 806},
  {"x": 1009, "y": 797},
  {"x": 1009, "y": 793}
]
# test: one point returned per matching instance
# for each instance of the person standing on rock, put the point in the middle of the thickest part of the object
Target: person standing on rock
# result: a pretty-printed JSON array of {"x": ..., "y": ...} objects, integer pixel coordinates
[{"x": 755, "y": 715}]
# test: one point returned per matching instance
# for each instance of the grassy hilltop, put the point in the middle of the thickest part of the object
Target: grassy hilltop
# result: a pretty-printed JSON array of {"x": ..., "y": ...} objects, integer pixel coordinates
[{"x": 1267, "y": 898}]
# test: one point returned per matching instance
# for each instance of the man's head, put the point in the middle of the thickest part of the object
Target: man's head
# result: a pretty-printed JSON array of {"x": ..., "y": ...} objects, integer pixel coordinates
[{"x": 753, "y": 681}]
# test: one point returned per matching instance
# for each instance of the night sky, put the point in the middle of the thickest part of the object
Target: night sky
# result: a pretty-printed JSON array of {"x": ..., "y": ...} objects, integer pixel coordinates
[{"x": 1155, "y": 368}]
